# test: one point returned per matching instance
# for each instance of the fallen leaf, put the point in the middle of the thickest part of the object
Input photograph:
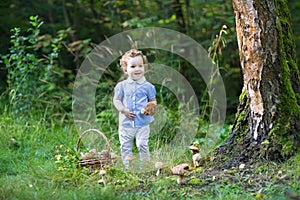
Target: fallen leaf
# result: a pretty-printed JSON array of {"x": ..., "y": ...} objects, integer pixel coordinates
[
  {"x": 242, "y": 166},
  {"x": 259, "y": 196},
  {"x": 283, "y": 176}
]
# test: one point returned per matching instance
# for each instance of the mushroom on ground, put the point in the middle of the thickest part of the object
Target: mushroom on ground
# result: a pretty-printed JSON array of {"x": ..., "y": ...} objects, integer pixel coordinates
[
  {"x": 180, "y": 170},
  {"x": 130, "y": 159},
  {"x": 159, "y": 166},
  {"x": 196, "y": 159},
  {"x": 194, "y": 149},
  {"x": 102, "y": 173}
]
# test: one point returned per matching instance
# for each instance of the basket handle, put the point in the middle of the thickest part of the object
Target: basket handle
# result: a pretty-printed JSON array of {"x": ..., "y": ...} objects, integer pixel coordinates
[{"x": 93, "y": 130}]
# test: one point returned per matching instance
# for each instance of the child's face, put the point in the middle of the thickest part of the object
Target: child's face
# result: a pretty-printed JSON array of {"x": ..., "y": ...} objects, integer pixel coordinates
[{"x": 135, "y": 68}]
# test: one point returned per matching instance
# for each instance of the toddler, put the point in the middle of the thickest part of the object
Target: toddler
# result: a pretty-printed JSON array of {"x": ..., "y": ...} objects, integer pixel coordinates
[{"x": 130, "y": 98}]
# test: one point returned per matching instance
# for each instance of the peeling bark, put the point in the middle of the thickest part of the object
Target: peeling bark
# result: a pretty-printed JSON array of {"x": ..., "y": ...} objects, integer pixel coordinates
[
  {"x": 253, "y": 57},
  {"x": 267, "y": 61}
]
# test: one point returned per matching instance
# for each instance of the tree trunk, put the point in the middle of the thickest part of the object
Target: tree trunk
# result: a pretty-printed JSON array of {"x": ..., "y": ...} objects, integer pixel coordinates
[{"x": 267, "y": 120}]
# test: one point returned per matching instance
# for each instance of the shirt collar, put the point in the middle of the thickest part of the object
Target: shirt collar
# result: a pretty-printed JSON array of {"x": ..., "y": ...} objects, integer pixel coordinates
[{"x": 141, "y": 81}]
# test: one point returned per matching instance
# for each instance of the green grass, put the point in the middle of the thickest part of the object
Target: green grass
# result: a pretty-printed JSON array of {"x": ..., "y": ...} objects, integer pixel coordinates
[{"x": 29, "y": 170}]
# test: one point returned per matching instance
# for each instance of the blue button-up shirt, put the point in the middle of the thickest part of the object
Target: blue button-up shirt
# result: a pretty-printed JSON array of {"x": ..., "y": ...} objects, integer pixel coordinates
[{"x": 134, "y": 96}]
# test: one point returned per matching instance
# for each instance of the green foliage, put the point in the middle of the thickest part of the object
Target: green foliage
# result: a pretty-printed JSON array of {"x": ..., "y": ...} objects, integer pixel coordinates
[
  {"x": 23, "y": 67},
  {"x": 65, "y": 158},
  {"x": 218, "y": 44},
  {"x": 97, "y": 20},
  {"x": 30, "y": 64},
  {"x": 41, "y": 85},
  {"x": 38, "y": 154},
  {"x": 40, "y": 163}
]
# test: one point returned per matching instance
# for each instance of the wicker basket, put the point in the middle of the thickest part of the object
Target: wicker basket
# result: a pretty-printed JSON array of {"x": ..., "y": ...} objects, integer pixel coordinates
[{"x": 103, "y": 159}]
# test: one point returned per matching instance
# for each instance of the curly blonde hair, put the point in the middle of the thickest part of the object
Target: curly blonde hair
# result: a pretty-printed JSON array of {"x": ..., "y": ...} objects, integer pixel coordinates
[{"x": 131, "y": 54}]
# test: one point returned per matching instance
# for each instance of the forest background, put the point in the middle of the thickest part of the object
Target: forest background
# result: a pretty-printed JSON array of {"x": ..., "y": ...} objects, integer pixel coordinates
[{"x": 77, "y": 26}]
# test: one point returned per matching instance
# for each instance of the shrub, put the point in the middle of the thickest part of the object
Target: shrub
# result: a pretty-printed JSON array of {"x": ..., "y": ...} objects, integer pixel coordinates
[{"x": 30, "y": 63}]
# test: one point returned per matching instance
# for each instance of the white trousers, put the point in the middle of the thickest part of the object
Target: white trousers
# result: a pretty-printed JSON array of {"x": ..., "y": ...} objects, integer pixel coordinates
[{"x": 126, "y": 137}]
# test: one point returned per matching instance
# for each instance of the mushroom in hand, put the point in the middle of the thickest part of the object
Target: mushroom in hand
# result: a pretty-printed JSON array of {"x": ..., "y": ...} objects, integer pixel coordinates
[{"x": 150, "y": 109}]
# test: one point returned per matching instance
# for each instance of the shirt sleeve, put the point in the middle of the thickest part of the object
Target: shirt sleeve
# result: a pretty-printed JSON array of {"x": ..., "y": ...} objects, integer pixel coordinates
[
  {"x": 151, "y": 92},
  {"x": 119, "y": 92}
]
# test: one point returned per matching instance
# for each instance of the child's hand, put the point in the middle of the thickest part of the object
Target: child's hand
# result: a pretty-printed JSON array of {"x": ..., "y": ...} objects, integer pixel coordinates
[
  {"x": 129, "y": 114},
  {"x": 150, "y": 109}
]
